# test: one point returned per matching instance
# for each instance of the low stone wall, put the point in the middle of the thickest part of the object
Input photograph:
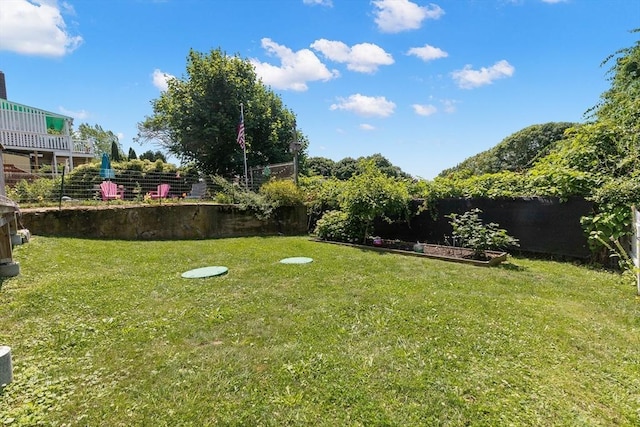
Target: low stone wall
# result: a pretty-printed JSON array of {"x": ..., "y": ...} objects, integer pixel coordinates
[{"x": 162, "y": 222}]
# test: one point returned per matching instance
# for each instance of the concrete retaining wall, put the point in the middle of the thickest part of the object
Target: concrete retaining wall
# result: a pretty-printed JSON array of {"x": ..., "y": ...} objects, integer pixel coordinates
[{"x": 164, "y": 222}]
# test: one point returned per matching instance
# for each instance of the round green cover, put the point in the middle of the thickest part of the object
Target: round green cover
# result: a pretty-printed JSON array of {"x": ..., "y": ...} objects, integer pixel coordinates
[
  {"x": 296, "y": 260},
  {"x": 204, "y": 272}
]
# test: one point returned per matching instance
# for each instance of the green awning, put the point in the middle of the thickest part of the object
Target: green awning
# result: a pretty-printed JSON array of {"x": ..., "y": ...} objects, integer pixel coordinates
[{"x": 55, "y": 123}]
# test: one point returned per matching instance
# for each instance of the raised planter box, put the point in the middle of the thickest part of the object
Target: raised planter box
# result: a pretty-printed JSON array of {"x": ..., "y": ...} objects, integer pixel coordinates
[{"x": 445, "y": 253}]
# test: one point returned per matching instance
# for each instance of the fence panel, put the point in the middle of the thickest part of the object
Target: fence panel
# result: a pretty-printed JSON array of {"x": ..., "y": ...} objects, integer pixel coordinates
[
  {"x": 132, "y": 185},
  {"x": 635, "y": 244},
  {"x": 542, "y": 225}
]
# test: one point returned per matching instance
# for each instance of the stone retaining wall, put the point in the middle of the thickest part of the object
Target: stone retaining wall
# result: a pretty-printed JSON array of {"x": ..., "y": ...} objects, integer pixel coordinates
[{"x": 164, "y": 222}]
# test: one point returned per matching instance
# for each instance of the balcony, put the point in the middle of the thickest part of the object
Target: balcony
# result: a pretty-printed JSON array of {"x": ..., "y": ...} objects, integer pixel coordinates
[{"x": 25, "y": 129}]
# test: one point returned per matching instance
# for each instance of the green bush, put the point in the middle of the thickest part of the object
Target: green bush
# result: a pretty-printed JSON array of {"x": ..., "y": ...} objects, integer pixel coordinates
[
  {"x": 245, "y": 199},
  {"x": 610, "y": 228},
  {"x": 337, "y": 226},
  {"x": 282, "y": 193},
  {"x": 223, "y": 198},
  {"x": 370, "y": 194},
  {"x": 40, "y": 190},
  {"x": 470, "y": 232},
  {"x": 320, "y": 194}
]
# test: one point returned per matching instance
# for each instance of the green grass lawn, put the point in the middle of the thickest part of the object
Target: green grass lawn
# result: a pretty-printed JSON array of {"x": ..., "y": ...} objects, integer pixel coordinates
[{"x": 108, "y": 333}]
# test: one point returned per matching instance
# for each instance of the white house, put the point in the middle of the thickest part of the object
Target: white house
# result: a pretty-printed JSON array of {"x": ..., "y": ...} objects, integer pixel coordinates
[{"x": 32, "y": 138}]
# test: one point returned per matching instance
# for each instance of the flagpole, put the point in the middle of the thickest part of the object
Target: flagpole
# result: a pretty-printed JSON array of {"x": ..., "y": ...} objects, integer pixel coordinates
[
  {"x": 242, "y": 141},
  {"x": 244, "y": 149}
]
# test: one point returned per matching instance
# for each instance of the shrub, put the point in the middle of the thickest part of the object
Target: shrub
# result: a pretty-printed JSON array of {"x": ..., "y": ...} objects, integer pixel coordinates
[
  {"x": 470, "y": 232},
  {"x": 223, "y": 198},
  {"x": 337, "y": 226},
  {"x": 320, "y": 195},
  {"x": 610, "y": 227},
  {"x": 371, "y": 194},
  {"x": 37, "y": 191},
  {"x": 245, "y": 199},
  {"x": 282, "y": 193}
]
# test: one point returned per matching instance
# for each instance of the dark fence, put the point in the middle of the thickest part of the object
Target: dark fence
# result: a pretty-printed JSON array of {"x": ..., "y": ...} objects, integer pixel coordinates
[{"x": 542, "y": 225}]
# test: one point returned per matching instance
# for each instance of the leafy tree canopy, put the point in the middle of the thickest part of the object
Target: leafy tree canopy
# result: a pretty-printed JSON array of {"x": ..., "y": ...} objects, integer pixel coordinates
[
  {"x": 609, "y": 146},
  {"x": 385, "y": 166},
  {"x": 516, "y": 152},
  {"x": 319, "y": 166},
  {"x": 347, "y": 167},
  {"x": 102, "y": 139},
  {"x": 153, "y": 156},
  {"x": 197, "y": 117}
]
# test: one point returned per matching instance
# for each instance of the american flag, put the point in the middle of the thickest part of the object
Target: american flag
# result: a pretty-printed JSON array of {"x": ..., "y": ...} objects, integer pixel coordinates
[{"x": 240, "y": 138}]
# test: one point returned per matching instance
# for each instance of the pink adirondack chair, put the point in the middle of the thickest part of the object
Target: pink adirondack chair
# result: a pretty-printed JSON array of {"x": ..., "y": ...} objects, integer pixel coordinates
[
  {"x": 161, "y": 193},
  {"x": 110, "y": 191}
]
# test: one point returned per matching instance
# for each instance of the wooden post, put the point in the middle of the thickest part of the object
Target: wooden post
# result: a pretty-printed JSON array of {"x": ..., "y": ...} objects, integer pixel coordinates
[{"x": 635, "y": 244}]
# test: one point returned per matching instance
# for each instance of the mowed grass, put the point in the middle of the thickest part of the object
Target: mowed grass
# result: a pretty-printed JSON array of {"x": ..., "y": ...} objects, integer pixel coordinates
[{"x": 108, "y": 333}]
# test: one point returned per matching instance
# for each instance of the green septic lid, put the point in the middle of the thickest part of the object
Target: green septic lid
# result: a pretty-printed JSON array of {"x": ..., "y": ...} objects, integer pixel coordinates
[
  {"x": 296, "y": 260},
  {"x": 199, "y": 273}
]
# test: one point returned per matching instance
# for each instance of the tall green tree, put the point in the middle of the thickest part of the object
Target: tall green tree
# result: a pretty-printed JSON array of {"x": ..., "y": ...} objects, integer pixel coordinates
[
  {"x": 153, "y": 156},
  {"x": 115, "y": 152},
  {"x": 345, "y": 168},
  {"x": 609, "y": 145},
  {"x": 196, "y": 118},
  {"x": 348, "y": 167},
  {"x": 621, "y": 103},
  {"x": 132, "y": 154},
  {"x": 319, "y": 166},
  {"x": 385, "y": 166},
  {"x": 102, "y": 139}
]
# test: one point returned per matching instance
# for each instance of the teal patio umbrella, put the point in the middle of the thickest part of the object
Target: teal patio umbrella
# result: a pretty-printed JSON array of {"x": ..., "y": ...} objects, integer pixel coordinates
[{"x": 106, "y": 171}]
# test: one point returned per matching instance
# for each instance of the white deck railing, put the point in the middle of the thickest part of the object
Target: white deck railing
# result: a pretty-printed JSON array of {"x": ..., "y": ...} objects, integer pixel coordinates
[
  {"x": 34, "y": 141},
  {"x": 22, "y": 118},
  {"x": 85, "y": 147},
  {"x": 25, "y": 128},
  {"x": 27, "y": 140}
]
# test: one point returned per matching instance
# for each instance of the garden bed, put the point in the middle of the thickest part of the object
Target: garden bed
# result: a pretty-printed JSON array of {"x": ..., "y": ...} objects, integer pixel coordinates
[{"x": 446, "y": 253}]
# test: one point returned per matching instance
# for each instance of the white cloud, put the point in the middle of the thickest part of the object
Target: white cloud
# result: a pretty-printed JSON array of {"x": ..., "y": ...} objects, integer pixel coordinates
[
  {"x": 427, "y": 52},
  {"x": 78, "y": 115},
  {"x": 296, "y": 69},
  {"x": 367, "y": 127},
  {"x": 468, "y": 78},
  {"x": 394, "y": 16},
  {"x": 449, "y": 105},
  {"x": 36, "y": 27},
  {"x": 328, "y": 3},
  {"x": 367, "y": 106},
  {"x": 424, "y": 110},
  {"x": 363, "y": 57},
  {"x": 160, "y": 79}
]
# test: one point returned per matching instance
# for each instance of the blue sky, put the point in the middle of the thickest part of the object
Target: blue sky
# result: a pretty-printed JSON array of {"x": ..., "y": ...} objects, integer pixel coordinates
[{"x": 426, "y": 84}]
